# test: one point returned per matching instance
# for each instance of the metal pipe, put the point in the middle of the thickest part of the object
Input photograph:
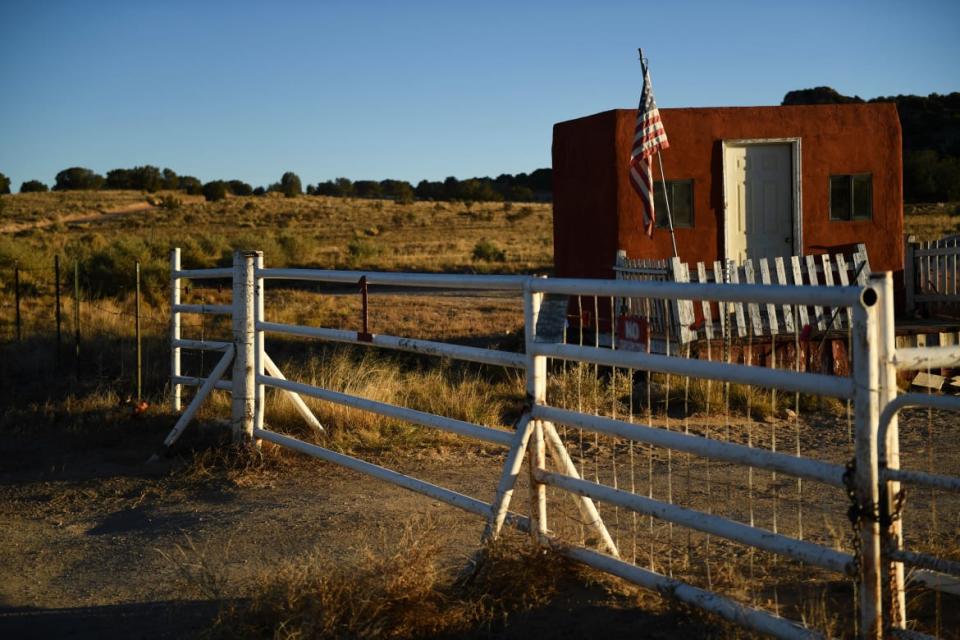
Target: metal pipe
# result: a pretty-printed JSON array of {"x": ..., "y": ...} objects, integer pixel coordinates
[
  {"x": 469, "y": 429},
  {"x": 298, "y": 403},
  {"x": 926, "y": 561},
  {"x": 755, "y": 619},
  {"x": 890, "y": 410},
  {"x": 431, "y": 280},
  {"x": 831, "y": 474},
  {"x": 464, "y": 502},
  {"x": 802, "y": 551},
  {"x": 947, "y": 483},
  {"x": 914, "y": 358},
  {"x": 814, "y": 383},
  {"x": 205, "y": 389},
  {"x": 202, "y": 345},
  {"x": 202, "y": 274},
  {"x": 759, "y": 293},
  {"x": 936, "y": 581},
  {"x": 413, "y": 345},
  {"x": 175, "y": 388},
  {"x": 244, "y": 374},
  {"x": 260, "y": 354},
  {"x": 866, "y": 477},
  {"x": 536, "y": 389},
  {"x": 209, "y": 309},
  {"x": 192, "y": 381},
  {"x": 508, "y": 478}
]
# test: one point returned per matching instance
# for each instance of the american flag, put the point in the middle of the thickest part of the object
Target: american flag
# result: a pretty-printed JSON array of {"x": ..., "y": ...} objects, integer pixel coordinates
[{"x": 649, "y": 137}]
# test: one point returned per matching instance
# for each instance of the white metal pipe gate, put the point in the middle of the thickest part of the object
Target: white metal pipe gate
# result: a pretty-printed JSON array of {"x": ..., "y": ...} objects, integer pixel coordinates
[{"x": 877, "y": 566}]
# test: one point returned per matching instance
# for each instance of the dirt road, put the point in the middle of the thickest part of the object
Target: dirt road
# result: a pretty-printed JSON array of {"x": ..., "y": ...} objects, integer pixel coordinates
[{"x": 79, "y": 218}]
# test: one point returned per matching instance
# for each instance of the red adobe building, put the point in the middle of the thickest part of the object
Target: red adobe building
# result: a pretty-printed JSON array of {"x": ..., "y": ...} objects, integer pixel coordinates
[{"x": 744, "y": 182}]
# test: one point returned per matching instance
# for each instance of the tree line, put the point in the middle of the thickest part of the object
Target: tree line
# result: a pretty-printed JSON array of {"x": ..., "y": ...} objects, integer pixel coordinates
[
  {"x": 521, "y": 187},
  {"x": 931, "y": 139}
]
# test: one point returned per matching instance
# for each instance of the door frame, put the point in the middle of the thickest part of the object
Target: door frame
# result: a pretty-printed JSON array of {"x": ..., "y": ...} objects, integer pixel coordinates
[{"x": 796, "y": 176}]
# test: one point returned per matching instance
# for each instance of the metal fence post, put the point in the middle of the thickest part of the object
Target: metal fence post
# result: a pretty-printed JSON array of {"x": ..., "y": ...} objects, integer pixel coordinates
[
  {"x": 176, "y": 389},
  {"x": 244, "y": 363},
  {"x": 891, "y": 522},
  {"x": 259, "y": 352},
  {"x": 76, "y": 317},
  {"x": 16, "y": 295},
  {"x": 867, "y": 476},
  {"x": 536, "y": 372},
  {"x": 137, "y": 332},
  {"x": 56, "y": 294}
]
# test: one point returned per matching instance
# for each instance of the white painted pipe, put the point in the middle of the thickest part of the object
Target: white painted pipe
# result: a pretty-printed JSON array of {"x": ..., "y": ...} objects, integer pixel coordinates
[
  {"x": 467, "y": 503},
  {"x": 176, "y": 389},
  {"x": 785, "y": 380},
  {"x": 919, "y": 358},
  {"x": 203, "y": 274},
  {"x": 191, "y": 381},
  {"x": 428, "y": 280},
  {"x": 205, "y": 389},
  {"x": 936, "y": 581},
  {"x": 808, "y": 552},
  {"x": 243, "y": 405},
  {"x": 298, "y": 403},
  {"x": 755, "y": 619},
  {"x": 425, "y": 347},
  {"x": 947, "y": 483},
  {"x": 587, "y": 509},
  {"x": 208, "y": 309},
  {"x": 260, "y": 356},
  {"x": 508, "y": 478},
  {"x": 487, "y": 434},
  {"x": 759, "y": 293},
  {"x": 831, "y": 474},
  {"x": 926, "y": 561},
  {"x": 201, "y": 345}
]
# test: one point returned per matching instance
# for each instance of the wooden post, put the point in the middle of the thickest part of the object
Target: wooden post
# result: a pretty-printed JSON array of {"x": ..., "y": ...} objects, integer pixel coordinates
[
  {"x": 76, "y": 318},
  {"x": 16, "y": 294},
  {"x": 909, "y": 275},
  {"x": 56, "y": 289},
  {"x": 139, "y": 346}
]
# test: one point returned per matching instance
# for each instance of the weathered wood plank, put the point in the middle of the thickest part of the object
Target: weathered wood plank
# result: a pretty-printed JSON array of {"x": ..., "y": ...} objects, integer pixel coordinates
[
  {"x": 844, "y": 281},
  {"x": 818, "y": 316},
  {"x": 756, "y": 322},
  {"x": 705, "y": 304},
  {"x": 771, "y": 308},
  {"x": 782, "y": 280},
  {"x": 738, "y": 306},
  {"x": 804, "y": 319}
]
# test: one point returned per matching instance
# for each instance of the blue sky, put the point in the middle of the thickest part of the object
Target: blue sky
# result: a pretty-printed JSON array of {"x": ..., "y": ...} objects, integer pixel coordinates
[{"x": 413, "y": 90}]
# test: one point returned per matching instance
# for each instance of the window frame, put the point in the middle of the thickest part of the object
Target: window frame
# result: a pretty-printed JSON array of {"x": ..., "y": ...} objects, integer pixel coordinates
[
  {"x": 850, "y": 180},
  {"x": 670, "y": 185}
]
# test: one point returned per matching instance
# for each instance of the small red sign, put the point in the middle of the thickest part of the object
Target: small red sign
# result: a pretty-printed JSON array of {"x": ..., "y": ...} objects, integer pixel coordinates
[{"x": 632, "y": 333}]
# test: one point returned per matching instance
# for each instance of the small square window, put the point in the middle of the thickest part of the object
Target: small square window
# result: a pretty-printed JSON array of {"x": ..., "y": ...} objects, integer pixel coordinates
[
  {"x": 851, "y": 197},
  {"x": 681, "y": 203}
]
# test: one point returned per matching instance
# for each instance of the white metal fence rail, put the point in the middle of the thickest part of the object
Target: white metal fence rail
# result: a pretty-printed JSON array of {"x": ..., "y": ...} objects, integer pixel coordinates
[{"x": 871, "y": 388}]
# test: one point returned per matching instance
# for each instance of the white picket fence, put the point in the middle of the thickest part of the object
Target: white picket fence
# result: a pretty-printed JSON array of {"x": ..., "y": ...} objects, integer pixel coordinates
[
  {"x": 931, "y": 273},
  {"x": 678, "y": 322},
  {"x": 871, "y": 388}
]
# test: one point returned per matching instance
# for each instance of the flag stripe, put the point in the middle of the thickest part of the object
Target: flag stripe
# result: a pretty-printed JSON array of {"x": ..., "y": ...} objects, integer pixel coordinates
[{"x": 649, "y": 137}]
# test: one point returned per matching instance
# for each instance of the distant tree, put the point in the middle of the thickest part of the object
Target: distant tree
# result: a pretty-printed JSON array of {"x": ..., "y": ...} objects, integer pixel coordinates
[
  {"x": 191, "y": 186},
  {"x": 118, "y": 179},
  {"x": 520, "y": 193},
  {"x": 290, "y": 185},
  {"x": 367, "y": 189},
  {"x": 146, "y": 178},
  {"x": 399, "y": 190},
  {"x": 4, "y": 184},
  {"x": 171, "y": 181},
  {"x": 344, "y": 187},
  {"x": 240, "y": 188},
  {"x": 33, "y": 186},
  {"x": 327, "y": 188},
  {"x": 259, "y": 191},
  {"x": 215, "y": 190},
  {"x": 819, "y": 95},
  {"x": 311, "y": 190},
  {"x": 77, "y": 178}
]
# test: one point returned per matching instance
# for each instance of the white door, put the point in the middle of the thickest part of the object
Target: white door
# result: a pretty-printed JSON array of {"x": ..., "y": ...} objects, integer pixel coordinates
[{"x": 759, "y": 206}]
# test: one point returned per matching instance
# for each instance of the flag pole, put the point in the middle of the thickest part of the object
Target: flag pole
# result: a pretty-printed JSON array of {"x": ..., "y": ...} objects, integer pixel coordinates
[{"x": 663, "y": 177}]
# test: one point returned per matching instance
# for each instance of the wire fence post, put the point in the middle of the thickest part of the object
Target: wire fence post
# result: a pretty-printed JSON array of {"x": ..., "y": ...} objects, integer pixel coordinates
[
  {"x": 244, "y": 363},
  {"x": 76, "y": 318},
  {"x": 16, "y": 294},
  {"x": 139, "y": 346},
  {"x": 56, "y": 294}
]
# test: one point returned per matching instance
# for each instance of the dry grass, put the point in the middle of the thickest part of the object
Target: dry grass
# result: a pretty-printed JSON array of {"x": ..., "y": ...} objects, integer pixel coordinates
[
  {"x": 932, "y": 221},
  {"x": 394, "y": 587}
]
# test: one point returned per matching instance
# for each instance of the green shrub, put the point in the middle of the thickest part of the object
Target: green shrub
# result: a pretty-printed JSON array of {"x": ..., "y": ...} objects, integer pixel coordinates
[
  {"x": 361, "y": 250},
  {"x": 488, "y": 251},
  {"x": 33, "y": 186},
  {"x": 170, "y": 202},
  {"x": 215, "y": 190}
]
